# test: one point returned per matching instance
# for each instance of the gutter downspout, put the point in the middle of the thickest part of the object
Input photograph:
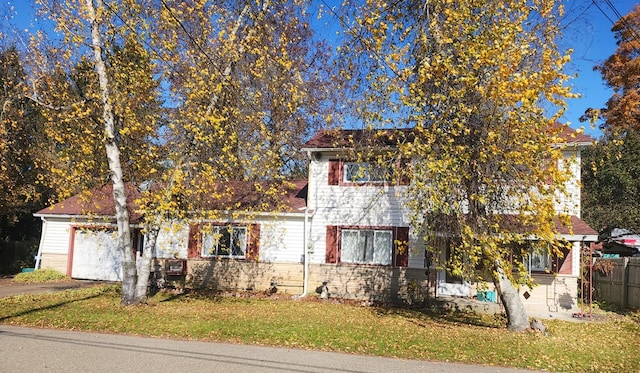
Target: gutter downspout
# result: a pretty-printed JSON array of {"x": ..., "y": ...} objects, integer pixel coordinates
[
  {"x": 305, "y": 249},
  {"x": 305, "y": 240},
  {"x": 42, "y": 235},
  {"x": 305, "y": 271}
]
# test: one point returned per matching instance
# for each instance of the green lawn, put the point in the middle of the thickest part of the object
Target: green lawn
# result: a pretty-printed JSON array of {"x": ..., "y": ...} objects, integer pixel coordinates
[{"x": 612, "y": 344}]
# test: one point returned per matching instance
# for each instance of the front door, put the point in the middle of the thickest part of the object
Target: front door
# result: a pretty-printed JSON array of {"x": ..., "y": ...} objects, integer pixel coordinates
[{"x": 449, "y": 285}]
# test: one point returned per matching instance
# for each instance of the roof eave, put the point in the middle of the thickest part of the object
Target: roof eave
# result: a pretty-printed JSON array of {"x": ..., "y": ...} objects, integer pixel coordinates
[
  {"x": 73, "y": 216},
  {"x": 579, "y": 237},
  {"x": 344, "y": 149},
  {"x": 580, "y": 144}
]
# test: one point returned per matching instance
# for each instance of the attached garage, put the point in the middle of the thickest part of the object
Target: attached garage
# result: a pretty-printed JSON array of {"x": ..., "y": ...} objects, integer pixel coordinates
[{"x": 96, "y": 255}]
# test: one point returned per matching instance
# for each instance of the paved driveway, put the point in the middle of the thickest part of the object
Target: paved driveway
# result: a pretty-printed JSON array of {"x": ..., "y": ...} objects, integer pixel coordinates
[
  {"x": 9, "y": 288},
  {"x": 44, "y": 350}
]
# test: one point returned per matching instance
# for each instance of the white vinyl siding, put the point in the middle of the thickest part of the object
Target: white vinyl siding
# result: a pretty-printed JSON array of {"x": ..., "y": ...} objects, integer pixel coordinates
[
  {"x": 363, "y": 205},
  {"x": 570, "y": 203},
  {"x": 281, "y": 240},
  {"x": 56, "y": 236},
  {"x": 172, "y": 241}
]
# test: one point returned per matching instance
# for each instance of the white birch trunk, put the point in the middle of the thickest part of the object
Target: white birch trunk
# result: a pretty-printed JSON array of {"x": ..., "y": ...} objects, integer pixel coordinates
[
  {"x": 142, "y": 284},
  {"x": 113, "y": 158}
]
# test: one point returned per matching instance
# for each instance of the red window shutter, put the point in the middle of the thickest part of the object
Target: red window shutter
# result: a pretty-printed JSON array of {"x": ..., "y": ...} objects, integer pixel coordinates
[
  {"x": 195, "y": 241},
  {"x": 404, "y": 170},
  {"x": 253, "y": 245},
  {"x": 332, "y": 244},
  {"x": 334, "y": 172},
  {"x": 402, "y": 247}
]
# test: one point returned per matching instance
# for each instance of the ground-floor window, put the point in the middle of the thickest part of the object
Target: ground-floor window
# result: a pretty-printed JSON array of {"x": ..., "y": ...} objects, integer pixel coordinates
[
  {"x": 379, "y": 245},
  {"x": 224, "y": 241},
  {"x": 538, "y": 262},
  {"x": 367, "y": 246}
]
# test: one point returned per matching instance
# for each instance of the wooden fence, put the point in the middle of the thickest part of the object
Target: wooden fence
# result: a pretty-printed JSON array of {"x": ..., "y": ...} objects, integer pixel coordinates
[{"x": 621, "y": 286}]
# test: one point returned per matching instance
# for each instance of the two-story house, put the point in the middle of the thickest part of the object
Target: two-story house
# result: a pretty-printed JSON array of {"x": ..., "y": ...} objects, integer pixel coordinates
[
  {"x": 360, "y": 218},
  {"x": 344, "y": 230}
]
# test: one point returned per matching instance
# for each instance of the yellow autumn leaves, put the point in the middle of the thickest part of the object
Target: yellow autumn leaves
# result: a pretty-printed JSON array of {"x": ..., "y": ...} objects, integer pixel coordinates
[{"x": 483, "y": 84}]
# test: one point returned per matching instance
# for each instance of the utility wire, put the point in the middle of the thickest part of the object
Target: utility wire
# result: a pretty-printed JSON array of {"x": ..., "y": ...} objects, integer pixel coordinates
[
  {"x": 135, "y": 32},
  {"x": 603, "y": 12},
  {"x": 623, "y": 20},
  {"x": 193, "y": 40},
  {"x": 615, "y": 11}
]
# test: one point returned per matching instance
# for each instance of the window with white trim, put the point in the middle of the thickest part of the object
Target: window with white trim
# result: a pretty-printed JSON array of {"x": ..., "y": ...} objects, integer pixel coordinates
[
  {"x": 367, "y": 246},
  {"x": 538, "y": 262},
  {"x": 229, "y": 241},
  {"x": 364, "y": 172}
]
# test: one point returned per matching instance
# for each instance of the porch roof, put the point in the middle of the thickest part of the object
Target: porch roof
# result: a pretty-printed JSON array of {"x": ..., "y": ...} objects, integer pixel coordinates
[{"x": 578, "y": 228}]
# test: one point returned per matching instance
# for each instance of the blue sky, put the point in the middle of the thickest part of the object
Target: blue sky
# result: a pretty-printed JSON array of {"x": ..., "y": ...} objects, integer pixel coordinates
[
  {"x": 593, "y": 42},
  {"x": 588, "y": 33}
]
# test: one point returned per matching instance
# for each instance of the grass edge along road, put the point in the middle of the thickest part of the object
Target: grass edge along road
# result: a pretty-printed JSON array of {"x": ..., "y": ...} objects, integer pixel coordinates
[{"x": 607, "y": 345}]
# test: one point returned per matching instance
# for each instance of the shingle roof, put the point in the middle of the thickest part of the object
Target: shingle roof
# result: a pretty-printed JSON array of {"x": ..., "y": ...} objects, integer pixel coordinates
[
  {"x": 239, "y": 195},
  {"x": 339, "y": 138},
  {"x": 578, "y": 227},
  {"x": 243, "y": 195},
  {"x": 572, "y": 136},
  {"x": 97, "y": 203}
]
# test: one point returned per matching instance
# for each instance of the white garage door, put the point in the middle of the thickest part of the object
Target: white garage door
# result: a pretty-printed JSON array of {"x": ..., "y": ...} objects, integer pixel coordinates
[{"x": 96, "y": 256}]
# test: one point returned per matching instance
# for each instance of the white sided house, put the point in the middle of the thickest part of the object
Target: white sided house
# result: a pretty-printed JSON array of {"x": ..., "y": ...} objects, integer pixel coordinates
[
  {"x": 240, "y": 253},
  {"x": 338, "y": 233},
  {"x": 352, "y": 209}
]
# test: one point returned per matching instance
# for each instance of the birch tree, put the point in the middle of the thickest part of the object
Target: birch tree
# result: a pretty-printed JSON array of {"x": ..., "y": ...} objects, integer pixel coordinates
[
  {"x": 480, "y": 84},
  {"x": 241, "y": 87}
]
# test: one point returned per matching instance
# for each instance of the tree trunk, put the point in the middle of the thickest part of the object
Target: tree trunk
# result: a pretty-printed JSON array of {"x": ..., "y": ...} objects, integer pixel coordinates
[
  {"x": 517, "y": 319},
  {"x": 115, "y": 166},
  {"x": 145, "y": 263}
]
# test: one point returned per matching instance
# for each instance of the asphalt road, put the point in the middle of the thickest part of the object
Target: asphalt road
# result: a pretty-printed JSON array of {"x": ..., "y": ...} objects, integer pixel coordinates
[{"x": 45, "y": 350}]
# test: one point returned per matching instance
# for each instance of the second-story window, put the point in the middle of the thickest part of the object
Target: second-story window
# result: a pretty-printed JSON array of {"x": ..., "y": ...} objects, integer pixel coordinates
[
  {"x": 364, "y": 172},
  {"x": 353, "y": 173}
]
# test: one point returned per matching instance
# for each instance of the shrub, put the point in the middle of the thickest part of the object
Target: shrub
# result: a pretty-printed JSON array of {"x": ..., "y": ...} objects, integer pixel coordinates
[
  {"x": 604, "y": 266},
  {"x": 40, "y": 275}
]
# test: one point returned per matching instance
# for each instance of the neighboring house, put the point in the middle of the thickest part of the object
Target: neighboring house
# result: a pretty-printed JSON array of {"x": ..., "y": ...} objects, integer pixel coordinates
[
  {"x": 355, "y": 235},
  {"x": 78, "y": 238}
]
